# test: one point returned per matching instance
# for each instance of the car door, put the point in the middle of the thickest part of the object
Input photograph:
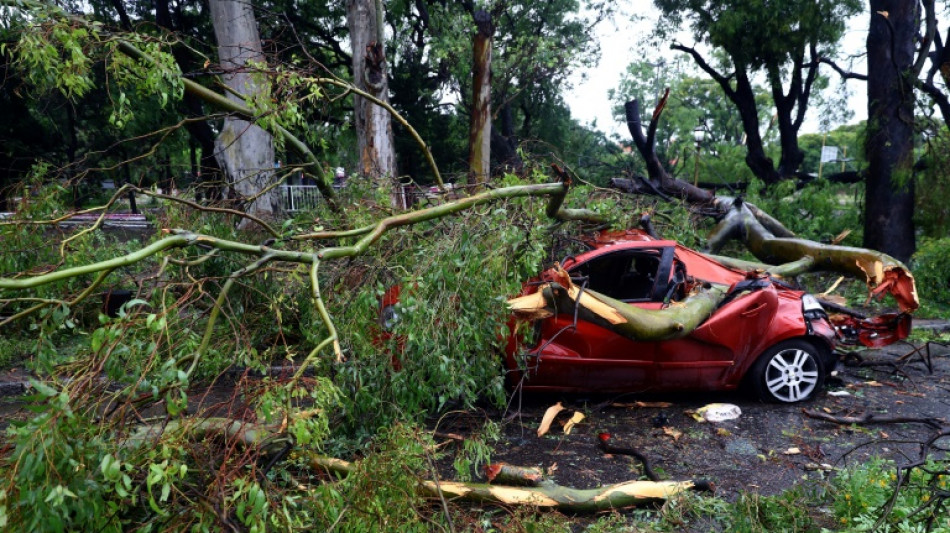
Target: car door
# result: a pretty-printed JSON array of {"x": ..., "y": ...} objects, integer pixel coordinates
[
  {"x": 705, "y": 358},
  {"x": 578, "y": 354}
]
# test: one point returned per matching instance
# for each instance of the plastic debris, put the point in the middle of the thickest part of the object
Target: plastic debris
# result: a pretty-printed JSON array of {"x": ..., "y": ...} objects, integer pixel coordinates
[{"x": 717, "y": 412}]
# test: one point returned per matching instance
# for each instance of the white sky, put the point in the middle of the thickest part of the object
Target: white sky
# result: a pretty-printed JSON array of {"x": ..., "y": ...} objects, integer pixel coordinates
[{"x": 619, "y": 45}]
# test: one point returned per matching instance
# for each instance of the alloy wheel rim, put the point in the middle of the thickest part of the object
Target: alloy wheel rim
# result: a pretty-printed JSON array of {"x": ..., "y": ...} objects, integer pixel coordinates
[{"x": 792, "y": 375}]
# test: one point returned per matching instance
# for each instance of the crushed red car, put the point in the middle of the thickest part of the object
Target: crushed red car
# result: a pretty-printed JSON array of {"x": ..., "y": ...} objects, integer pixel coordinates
[{"x": 764, "y": 333}]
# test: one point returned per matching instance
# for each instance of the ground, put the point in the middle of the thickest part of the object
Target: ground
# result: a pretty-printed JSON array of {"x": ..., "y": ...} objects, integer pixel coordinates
[
  {"x": 768, "y": 449},
  {"x": 755, "y": 452}
]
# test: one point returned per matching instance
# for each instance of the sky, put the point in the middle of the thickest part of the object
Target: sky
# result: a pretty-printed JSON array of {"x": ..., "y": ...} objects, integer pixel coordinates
[{"x": 619, "y": 45}]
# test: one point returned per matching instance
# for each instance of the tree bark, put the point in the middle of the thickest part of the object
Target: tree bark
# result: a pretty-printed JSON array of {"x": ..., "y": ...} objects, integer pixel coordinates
[
  {"x": 660, "y": 179},
  {"x": 372, "y": 123},
  {"x": 889, "y": 195},
  {"x": 480, "y": 126},
  {"x": 743, "y": 97},
  {"x": 882, "y": 272},
  {"x": 244, "y": 151},
  {"x": 546, "y": 495}
]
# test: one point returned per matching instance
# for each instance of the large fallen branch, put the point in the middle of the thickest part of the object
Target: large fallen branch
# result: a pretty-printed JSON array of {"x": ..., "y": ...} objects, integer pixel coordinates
[
  {"x": 267, "y": 253},
  {"x": 546, "y": 494},
  {"x": 561, "y": 296},
  {"x": 763, "y": 235},
  {"x": 882, "y": 272}
]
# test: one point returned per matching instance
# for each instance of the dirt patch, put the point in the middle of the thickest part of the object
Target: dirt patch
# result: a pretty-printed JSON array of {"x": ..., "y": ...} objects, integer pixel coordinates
[{"x": 768, "y": 449}]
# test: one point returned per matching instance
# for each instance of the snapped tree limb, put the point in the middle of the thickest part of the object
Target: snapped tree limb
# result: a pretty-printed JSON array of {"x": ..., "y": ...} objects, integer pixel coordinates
[
  {"x": 540, "y": 492},
  {"x": 546, "y": 493},
  {"x": 882, "y": 272},
  {"x": 561, "y": 295},
  {"x": 765, "y": 236}
]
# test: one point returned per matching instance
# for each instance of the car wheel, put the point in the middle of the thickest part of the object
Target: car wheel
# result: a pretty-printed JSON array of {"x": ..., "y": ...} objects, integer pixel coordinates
[{"x": 789, "y": 372}]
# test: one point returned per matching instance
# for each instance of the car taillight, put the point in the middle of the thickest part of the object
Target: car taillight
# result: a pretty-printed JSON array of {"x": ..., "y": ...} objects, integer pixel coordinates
[{"x": 388, "y": 317}]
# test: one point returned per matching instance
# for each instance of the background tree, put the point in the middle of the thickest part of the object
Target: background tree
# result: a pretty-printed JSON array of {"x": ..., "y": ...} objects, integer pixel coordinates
[
  {"x": 781, "y": 40},
  {"x": 244, "y": 150},
  {"x": 370, "y": 73},
  {"x": 694, "y": 101},
  {"x": 888, "y": 222}
]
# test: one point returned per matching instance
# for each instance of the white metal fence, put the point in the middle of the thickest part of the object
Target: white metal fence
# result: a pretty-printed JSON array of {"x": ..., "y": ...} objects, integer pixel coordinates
[{"x": 299, "y": 197}]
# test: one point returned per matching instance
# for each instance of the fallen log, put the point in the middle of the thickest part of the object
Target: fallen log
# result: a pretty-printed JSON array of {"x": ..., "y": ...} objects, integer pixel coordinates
[
  {"x": 881, "y": 272},
  {"x": 561, "y": 296},
  {"x": 546, "y": 494}
]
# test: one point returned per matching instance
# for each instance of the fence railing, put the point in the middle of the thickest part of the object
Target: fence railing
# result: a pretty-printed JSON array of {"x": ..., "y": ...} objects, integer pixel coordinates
[{"x": 299, "y": 197}]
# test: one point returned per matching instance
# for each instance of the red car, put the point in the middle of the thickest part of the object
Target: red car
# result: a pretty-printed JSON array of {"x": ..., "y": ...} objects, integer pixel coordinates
[{"x": 766, "y": 334}]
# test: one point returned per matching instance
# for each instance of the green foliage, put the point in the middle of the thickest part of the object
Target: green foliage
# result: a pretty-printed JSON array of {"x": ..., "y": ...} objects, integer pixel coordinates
[
  {"x": 451, "y": 313},
  {"x": 750, "y": 513},
  {"x": 850, "y": 142},
  {"x": 383, "y": 494},
  {"x": 65, "y": 477},
  {"x": 694, "y": 101},
  {"x": 819, "y": 211},
  {"x": 931, "y": 268},
  {"x": 862, "y": 491},
  {"x": 762, "y": 34},
  {"x": 55, "y": 56},
  {"x": 932, "y": 204}
]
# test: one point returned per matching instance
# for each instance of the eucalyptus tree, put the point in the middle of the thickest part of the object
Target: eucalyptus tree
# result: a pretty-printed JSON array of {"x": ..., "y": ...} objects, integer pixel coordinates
[
  {"x": 782, "y": 40},
  {"x": 370, "y": 73}
]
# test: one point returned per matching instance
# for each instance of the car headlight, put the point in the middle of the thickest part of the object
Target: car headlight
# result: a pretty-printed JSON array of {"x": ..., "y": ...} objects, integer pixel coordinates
[
  {"x": 388, "y": 317},
  {"x": 811, "y": 308}
]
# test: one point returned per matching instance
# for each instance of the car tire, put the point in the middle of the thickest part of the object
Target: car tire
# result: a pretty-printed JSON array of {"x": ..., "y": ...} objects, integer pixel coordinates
[{"x": 791, "y": 371}]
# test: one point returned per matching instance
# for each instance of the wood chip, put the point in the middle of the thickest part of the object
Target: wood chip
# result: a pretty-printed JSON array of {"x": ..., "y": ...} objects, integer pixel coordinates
[
  {"x": 576, "y": 419},
  {"x": 792, "y": 451},
  {"x": 548, "y": 418}
]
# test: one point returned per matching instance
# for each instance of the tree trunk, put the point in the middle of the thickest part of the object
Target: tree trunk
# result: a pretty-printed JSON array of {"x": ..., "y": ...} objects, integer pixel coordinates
[
  {"x": 889, "y": 196},
  {"x": 244, "y": 151},
  {"x": 479, "y": 136},
  {"x": 373, "y": 125},
  {"x": 744, "y": 99},
  {"x": 560, "y": 295}
]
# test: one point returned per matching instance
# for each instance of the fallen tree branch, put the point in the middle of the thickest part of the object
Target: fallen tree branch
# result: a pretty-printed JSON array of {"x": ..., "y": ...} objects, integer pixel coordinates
[
  {"x": 767, "y": 238},
  {"x": 371, "y": 234},
  {"x": 870, "y": 418},
  {"x": 881, "y": 272},
  {"x": 560, "y": 296},
  {"x": 941, "y": 431},
  {"x": 546, "y": 494}
]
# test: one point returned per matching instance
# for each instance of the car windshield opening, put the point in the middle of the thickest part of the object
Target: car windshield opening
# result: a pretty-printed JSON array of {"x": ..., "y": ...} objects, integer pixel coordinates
[{"x": 626, "y": 275}]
